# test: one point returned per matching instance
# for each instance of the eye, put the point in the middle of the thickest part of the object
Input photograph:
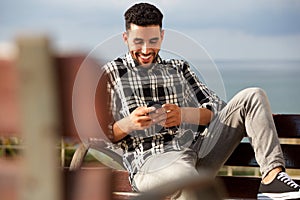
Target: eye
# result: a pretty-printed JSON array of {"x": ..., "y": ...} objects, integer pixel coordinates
[
  {"x": 153, "y": 40},
  {"x": 138, "y": 41}
]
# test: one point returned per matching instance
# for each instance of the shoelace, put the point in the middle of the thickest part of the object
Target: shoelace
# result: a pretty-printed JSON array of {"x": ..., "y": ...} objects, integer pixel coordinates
[{"x": 287, "y": 180}]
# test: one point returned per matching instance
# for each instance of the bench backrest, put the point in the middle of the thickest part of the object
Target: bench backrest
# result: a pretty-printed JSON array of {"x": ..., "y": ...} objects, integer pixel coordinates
[{"x": 288, "y": 127}]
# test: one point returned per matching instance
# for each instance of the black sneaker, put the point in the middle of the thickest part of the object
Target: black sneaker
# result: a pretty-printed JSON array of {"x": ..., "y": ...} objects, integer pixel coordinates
[{"x": 282, "y": 187}]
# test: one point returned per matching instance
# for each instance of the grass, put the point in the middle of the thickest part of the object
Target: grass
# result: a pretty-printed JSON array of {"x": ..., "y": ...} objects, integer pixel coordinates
[{"x": 11, "y": 147}]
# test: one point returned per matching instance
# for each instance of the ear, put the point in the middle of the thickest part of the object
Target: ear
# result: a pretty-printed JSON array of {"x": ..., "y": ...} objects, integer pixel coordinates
[
  {"x": 162, "y": 34},
  {"x": 125, "y": 37}
]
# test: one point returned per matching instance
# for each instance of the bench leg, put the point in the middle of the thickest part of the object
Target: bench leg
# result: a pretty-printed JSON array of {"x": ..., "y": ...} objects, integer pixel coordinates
[{"x": 78, "y": 157}]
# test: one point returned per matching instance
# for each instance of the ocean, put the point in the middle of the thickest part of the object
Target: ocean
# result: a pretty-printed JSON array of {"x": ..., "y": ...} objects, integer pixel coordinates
[{"x": 279, "y": 79}]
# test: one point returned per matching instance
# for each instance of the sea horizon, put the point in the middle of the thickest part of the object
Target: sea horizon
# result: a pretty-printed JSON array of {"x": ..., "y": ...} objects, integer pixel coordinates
[{"x": 278, "y": 78}]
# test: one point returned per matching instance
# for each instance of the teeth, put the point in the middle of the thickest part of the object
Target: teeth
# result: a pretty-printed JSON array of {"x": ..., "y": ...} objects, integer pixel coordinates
[{"x": 146, "y": 56}]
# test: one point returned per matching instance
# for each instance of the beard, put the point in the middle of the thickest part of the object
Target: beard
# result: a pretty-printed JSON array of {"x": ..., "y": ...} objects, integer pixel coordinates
[{"x": 145, "y": 60}]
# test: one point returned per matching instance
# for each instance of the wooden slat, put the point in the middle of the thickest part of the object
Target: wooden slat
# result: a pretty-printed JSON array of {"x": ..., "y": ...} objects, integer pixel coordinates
[
  {"x": 287, "y": 125},
  {"x": 92, "y": 183},
  {"x": 120, "y": 181},
  {"x": 241, "y": 187},
  {"x": 243, "y": 155}
]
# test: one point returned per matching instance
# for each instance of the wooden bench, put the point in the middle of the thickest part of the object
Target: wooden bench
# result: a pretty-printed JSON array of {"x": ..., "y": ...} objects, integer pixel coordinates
[{"x": 236, "y": 187}]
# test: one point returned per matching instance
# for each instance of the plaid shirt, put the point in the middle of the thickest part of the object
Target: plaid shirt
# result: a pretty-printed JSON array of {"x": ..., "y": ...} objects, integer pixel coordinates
[{"x": 167, "y": 81}]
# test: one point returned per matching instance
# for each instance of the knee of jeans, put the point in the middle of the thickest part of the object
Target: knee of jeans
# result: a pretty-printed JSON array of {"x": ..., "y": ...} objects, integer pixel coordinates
[
  {"x": 255, "y": 93},
  {"x": 255, "y": 90},
  {"x": 171, "y": 174}
]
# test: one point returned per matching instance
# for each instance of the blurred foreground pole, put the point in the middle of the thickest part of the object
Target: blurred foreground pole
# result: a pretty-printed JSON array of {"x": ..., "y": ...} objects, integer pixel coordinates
[{"x": 39, "y": 120}]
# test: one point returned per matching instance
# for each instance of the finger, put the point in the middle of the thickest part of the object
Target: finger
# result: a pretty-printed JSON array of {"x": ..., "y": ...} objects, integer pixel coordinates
[
  {"x": 167, "y": 116},
  {"x": 158, "y": 113},
  {"x": 140, "y": 111},
  {"x": 143, "y": 123},
  {"x": 173, "y": 110},
  {"x": 169, "y": 106},
  {"x": 173, "y": 119},
  {"x": 159, "y": 118},
  {"x": 143, "y": 119},
  {"x": 150, "y": 109},
  {"x": 171, "y": 123}
]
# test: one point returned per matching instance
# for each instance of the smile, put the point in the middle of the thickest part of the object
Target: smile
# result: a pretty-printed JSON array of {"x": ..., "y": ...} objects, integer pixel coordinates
[{"x": 146, "y": 56}]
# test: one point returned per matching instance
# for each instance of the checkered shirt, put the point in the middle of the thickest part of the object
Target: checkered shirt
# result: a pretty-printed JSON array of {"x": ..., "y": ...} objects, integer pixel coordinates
[{"x": 166, "y": 81}]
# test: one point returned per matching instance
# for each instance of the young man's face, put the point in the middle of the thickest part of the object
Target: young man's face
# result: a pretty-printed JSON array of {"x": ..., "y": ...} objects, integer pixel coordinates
[{"x": 144, "y": 42}]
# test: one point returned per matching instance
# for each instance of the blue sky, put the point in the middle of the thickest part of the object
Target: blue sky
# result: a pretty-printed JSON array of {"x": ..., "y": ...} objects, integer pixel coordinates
[{"x": 231, "y": 29}]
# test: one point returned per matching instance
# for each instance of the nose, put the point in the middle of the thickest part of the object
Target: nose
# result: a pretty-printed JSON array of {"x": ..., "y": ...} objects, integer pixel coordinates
[{"x": 145, "y": 48}]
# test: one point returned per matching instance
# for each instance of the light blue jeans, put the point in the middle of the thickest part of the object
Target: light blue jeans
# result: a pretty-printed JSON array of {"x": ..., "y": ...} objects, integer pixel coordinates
[{"x": 247, "y": 112}]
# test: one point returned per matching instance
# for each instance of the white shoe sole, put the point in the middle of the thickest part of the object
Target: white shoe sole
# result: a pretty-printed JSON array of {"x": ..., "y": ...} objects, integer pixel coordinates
[{"x": 277, "y": 196}]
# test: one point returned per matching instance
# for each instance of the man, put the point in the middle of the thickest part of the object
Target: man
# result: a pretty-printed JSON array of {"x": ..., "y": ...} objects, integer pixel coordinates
[{"x": 170, "y": 125}]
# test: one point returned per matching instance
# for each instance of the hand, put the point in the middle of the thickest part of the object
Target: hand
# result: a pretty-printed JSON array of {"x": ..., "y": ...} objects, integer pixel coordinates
[
  {"x": 167, "y": 116},
  {"x": 139, "y": 119}
]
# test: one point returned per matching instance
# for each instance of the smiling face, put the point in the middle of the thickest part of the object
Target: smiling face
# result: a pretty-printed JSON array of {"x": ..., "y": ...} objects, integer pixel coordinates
[{"x": 144, "y": 43}]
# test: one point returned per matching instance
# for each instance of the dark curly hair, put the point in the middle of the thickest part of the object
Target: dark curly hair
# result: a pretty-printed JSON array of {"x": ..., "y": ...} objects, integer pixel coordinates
[{"x": 143, "y": 14}]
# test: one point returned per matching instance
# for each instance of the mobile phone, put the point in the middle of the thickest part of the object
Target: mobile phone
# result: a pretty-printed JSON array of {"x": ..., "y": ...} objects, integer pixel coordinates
[{"x": 155, "y": 104}]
